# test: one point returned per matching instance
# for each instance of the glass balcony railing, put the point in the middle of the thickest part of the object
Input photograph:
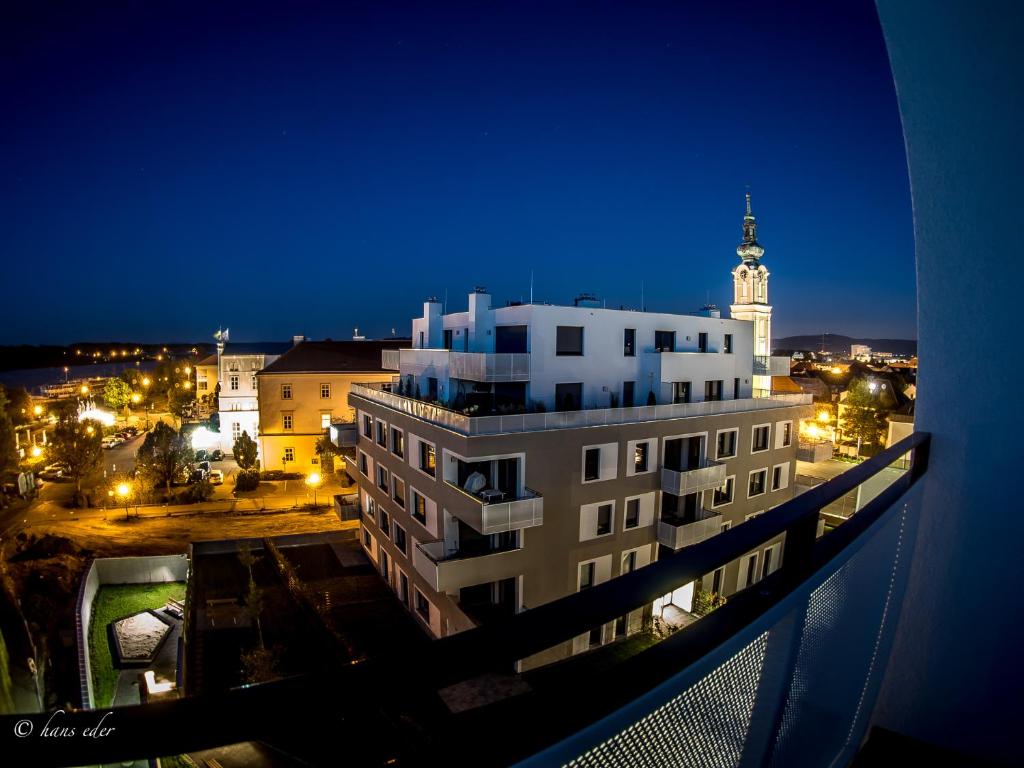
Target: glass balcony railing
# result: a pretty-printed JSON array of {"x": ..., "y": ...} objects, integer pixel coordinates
[
  {"x": 494, "y": 512},
  {"x": 450, "y": 572},
  {"x": 784, "y": 674},
  {"x": 678, "y": 532},
  {"x": 705, "y": 477}
]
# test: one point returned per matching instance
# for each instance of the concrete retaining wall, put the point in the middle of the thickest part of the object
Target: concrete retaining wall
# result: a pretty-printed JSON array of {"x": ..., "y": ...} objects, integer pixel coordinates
[{"x": 117, "y": 570}]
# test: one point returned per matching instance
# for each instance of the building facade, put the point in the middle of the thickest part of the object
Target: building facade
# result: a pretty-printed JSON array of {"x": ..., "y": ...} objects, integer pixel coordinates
[
  {"x": 238, "y": 401},
  {"x": 515, "y": 458},
  {"x": 750, "y": 301},
  {"x": 304, "y": 391}
]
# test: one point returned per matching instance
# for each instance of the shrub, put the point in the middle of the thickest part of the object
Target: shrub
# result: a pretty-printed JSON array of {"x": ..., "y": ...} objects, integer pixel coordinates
[
  {"x": 705, "y": 602},
  {"x": 247, "y": 481}
]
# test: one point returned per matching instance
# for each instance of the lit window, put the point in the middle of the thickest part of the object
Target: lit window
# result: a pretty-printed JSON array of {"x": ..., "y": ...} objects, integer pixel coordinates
[
  {"x": 325, "y": 420},
  {"x": 640, "y": 457}
]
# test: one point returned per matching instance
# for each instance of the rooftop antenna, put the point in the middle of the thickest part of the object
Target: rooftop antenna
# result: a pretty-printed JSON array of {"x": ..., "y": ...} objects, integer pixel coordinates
[
  {"x": 531, "y": 286},
  {"x": 642, "y": 307}
]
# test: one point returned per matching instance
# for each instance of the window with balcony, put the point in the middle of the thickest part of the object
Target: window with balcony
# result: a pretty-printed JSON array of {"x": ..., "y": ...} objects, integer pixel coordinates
[
  {"x": 569, "y": 397},
  {"x": 680, "y": 392},
  {"x": 758, "y": 483},
  {"x": 286, "y": 419},
  {"x": 712, "y": 390},
  {"x": 325, "y": 391},
  {"x": 702, "y": 342},
  {"x": 760, "y": 438},
  {"x": 629, "y": 342},
  {"x": 510, "y": 339},
  {"x": 723, "y": 495},
  {"x": 632, "y": 514},
  {"x": 286, "y": 391},
  {"x": 726, "y": 443},
  {"x": 569, "y": 340},
  {"x": 664, "y": 341},
  {"x": 398, "y": 491},
  {"x": 382, "y": 434},
  {"x": 683, "y": 454},
  {"x": 397, "y": 442},
  {"x": 727, "y": 344},
  {"x": 399, "y": 538}
]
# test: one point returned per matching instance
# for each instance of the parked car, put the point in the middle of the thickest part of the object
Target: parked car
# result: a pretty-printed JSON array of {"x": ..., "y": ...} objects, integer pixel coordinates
[
  {"x": 133, "y": 431},
  {"x": 204, "y": 465},
  {"x": 125, "y": 437},
  {"x": 52, "y": 472},
  {"x": 197, "y": 475},
  {"x": 200, "y": 455},
  {"x": 111, "y": 441},
  {"x": 216, "y": 455},
  {"x": 216, "y": 477}
]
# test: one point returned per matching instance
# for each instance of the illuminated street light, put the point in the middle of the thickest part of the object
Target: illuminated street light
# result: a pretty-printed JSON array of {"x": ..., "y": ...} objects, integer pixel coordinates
[
  {"x": 124, "y": 491},
  {"x": 823, "y": 417},
  {"x": 188, "y": 370},
  {"x": 313, "y": 481},
  {"x": 38, "y": 410},
  {"x": 136, "y": 397},
  {"x": 89, "y": 429},
  {"x": 145, "y": 381},
  {"x": 36, "y": 451},
  {"x": 84, "y": 390}
]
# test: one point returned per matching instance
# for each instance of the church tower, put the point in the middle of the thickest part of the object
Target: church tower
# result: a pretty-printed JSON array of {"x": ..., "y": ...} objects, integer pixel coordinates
[{"x": 750, "y": 298}]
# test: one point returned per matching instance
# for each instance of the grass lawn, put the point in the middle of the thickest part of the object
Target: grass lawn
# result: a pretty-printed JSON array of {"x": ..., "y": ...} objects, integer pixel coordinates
[{"x": 112, "y": 603}]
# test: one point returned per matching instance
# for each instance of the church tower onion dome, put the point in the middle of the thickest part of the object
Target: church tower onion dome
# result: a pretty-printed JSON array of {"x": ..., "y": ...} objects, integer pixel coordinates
[{"x": 750, "y": 251}]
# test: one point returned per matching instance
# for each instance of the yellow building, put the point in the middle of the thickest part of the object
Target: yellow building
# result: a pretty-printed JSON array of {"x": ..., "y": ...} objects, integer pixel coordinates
[
  {"x": 305, "y": 390},
  {"x": 206, "y": 380}
]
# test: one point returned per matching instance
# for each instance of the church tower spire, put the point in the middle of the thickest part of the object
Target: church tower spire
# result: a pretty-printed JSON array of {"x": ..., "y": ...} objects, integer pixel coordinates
[{"x": 750, "y": 298}]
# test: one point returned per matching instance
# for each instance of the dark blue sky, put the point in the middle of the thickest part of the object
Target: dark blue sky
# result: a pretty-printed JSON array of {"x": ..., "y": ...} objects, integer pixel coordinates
[{"x": 166, "y": 168}]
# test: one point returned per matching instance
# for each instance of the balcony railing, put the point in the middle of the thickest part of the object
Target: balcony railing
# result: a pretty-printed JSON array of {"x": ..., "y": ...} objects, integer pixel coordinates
[
  {"x": 676, "y": 533},
  {"x": 490, "y": 367},
  {"x": 754, "y": 682},
  {"x": 771, "y": 365},
  {"x": 499, "y": 515},
  {"x": 709, "y": 475},
  {"x": 449, "y": 573},
  {"x": 537, "y": 422}
]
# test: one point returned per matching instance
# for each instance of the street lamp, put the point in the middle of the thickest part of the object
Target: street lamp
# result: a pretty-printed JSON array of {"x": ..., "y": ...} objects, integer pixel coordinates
[
  {"x": 36, "y": 451},
  {"x": 313, "y": 480},
  {"x": 123, "y": 492},
  {"x": 38, "y": 411},
  {"x": 89, "y": 429},
  {"x": 84, "y": 390}
]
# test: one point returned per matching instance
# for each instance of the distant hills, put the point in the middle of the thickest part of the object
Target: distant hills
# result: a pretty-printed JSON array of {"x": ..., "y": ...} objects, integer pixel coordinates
[{"x": 840, "y": 345}]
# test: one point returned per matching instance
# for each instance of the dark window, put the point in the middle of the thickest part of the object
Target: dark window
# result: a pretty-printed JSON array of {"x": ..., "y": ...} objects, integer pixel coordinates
[
  {"x": 422, "y": 346},
  {"x": 447, "y": 338},
  {"x": 681, "y": 392},
  {"x": 727, "y": 345},
  {"x": 397, "y": 442},
  {"x": 382, "y": 479},
  {"x": 604, "y": 519},
  {"x": 628, "y": 388},
  {"x": 702, "y": 342},
  {"x": 640, "y": 457},
  {"x": 569, "y": 340},
  {"x": 757, "y": 483},
  {"x": 428, "y": 459},
  {"x": 366, "y": 538},
  {"x": 431, "y": 388},
  {"x": 632, "y": 513},
  {"x": 723, "y": 495},
  {"x": 751, "y": 569},
  {"x": 713, "y": 390},
  {"x": 400, "y": 538},
  {"x": 422, "y": 606},
  {"x": 362, "y": 464},
  {"x": 569, "y": 397},
  {"x": 510, "y": 338},
  {"x": 382, "y": 434},
  {"x": 385, "y": 522},
  {"x": 629, "y": 343},
  {"x": 664, "y": 341},
  {"x": 786, "y": 433},
  {"x": 735, "y": 389},
  {"x": 398, "y": 492},
  {"x": 592, "y": 464},
  {"x": 776, "y": 478},
  {"x": 629, "y": 562},
  {"x": 761, "y": 438},
  {"x": 403, "y": 588},
  {"x": 586, "y": 576},
  {"x": 368, "y": 426},
  {"x": 766, "y": 564},
  {"x": 716, "y": 581},
  {"x": 726, "y": 444}
]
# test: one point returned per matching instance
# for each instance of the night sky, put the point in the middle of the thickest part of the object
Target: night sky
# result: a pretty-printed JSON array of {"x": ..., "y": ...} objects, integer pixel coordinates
[{"x": 166, "y": 168}]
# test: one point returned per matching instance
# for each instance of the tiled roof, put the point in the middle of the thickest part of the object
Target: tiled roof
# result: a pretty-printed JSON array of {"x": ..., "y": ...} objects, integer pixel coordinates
[{"x": 334, "y": 356}]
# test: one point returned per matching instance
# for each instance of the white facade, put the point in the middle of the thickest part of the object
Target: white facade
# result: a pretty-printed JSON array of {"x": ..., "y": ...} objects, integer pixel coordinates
[
  {"x": 513, "y": 352},
  {"x": 860, "y": 351},
  {"x": 238, "y": 405},
  {"x": 750, "y": 296}
]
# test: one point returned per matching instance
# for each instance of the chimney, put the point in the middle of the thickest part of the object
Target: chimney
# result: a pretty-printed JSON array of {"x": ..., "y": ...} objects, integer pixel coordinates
[{"x": 296, "y": 340}]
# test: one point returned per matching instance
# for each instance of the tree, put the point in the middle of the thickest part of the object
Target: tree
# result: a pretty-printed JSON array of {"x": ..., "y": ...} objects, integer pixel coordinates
[
  {"x": 164, "y": 455},
  {"x": 326, "y": 450},
  {"x": 861, "y": 418},
  {"x": 78, "y": 446},
  {"x": 117, "y": 394},
  {"x": 18, "y": 406},
  {"x": 244, "y": 451}
]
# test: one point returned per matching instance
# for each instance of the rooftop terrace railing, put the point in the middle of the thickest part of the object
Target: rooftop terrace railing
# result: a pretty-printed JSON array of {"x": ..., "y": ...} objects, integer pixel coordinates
[
  {"x": 755, "y": 682},
  {"x": 536, "y": 422}
]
